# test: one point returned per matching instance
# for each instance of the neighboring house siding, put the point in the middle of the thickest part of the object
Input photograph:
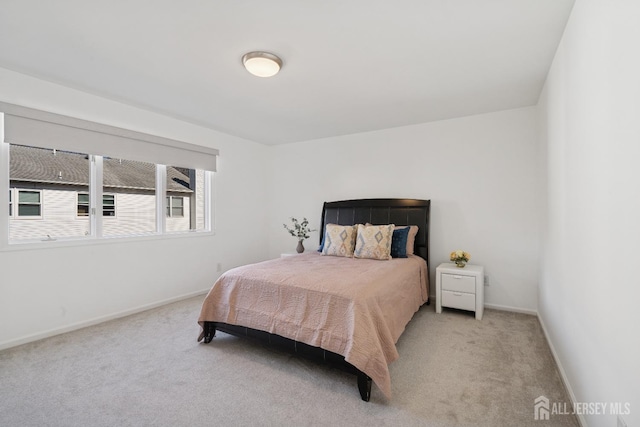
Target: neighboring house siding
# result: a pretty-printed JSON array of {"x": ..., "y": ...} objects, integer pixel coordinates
[
  {"x": 179, "y": 223},
  {"x": 182, "y": 224},
  {"x": 200, "y": 211},
  {"x": 135, "y": 214},
  {"x": 58, "y": 217}
]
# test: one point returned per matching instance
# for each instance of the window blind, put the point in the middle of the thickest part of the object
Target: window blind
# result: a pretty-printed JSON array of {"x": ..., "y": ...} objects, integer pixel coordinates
[{"x": 36, "y": 128}]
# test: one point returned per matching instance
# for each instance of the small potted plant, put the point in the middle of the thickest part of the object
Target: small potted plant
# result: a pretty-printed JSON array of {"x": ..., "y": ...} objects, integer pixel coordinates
[
  {"x": 460, "y": 258},
  {"x": 299, "y": 230}
]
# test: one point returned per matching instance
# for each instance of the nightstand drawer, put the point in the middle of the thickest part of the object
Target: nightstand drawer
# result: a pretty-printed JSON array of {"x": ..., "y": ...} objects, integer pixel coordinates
[
  {"x": 459, "y": 283},
  {"x": 459, "y": 300}
]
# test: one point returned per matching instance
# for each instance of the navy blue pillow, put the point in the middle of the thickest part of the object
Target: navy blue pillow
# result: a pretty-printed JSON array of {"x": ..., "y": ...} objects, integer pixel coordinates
[
  {"x": 399, "y": 243},
  {"x": 321, "y": 243}
]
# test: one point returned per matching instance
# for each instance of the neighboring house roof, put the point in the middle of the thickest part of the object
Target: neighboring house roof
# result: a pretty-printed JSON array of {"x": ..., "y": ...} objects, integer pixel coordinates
[{"x": 41, "y": 165}]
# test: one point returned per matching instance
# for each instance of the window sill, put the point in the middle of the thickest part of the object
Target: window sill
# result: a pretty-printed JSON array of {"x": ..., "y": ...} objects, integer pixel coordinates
[{"x": 65, "y": 243}]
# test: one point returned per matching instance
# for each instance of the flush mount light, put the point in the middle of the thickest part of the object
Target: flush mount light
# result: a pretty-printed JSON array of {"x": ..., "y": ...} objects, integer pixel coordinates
[{"x": 262, "y": 64}]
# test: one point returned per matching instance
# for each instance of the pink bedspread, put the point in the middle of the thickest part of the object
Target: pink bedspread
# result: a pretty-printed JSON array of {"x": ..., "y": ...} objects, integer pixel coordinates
[{"x": 357, "y": 308}]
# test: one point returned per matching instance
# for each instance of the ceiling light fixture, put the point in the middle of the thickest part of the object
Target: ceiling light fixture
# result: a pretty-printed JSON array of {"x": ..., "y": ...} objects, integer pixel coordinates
[{"x": 262, "y": 64}]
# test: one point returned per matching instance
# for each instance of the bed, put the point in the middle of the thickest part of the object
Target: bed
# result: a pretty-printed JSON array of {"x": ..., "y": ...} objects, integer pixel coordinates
[{"x": 345, "y": 311}]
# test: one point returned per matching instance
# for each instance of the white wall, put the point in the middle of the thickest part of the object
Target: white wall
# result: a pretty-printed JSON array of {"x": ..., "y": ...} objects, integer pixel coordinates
[
  {"x": 590, "y": 135},
  {"x": 53, "y": 289},
  {"x": 479, "y": 172}
]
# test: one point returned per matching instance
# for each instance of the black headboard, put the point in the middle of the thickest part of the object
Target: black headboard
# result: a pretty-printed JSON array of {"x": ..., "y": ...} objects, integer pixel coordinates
[{"x": 382, "y": 211}]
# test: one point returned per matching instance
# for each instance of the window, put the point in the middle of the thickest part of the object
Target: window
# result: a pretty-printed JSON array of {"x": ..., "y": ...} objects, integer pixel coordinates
[
  {"x": 29, "y": 203},
  {"x": 45, "y": 184},
  {"x": 108, "y": 205},
  {"x": 83, "y": 204},
  {"x": 185, "y": 202},
  {"x": 135, "y": 184},
  {"x": 175, "y": 206},
  {"x": 124, "y": 176}
]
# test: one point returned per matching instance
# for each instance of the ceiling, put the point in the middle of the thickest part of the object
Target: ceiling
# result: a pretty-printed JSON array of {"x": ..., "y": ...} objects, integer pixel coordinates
[{"x": 349, "y": 65}]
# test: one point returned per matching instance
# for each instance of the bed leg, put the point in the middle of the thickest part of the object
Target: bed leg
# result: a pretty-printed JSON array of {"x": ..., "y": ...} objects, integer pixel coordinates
[
  {"x": 209, "y": 331},
  {"x": 364, "y": 386}
]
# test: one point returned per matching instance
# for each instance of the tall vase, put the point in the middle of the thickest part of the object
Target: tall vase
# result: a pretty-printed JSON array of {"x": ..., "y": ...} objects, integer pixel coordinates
[{"x": 300, "y": 247}]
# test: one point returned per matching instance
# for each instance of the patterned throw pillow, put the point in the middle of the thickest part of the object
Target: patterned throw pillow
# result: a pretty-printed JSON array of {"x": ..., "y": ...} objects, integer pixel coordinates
[
  {"x": 339, "y": 240},
  {"x": 374, "y": 241}
]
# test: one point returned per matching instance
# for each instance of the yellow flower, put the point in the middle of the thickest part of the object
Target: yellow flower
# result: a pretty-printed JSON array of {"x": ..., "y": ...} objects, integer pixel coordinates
[{"x": 459, "y": 255}]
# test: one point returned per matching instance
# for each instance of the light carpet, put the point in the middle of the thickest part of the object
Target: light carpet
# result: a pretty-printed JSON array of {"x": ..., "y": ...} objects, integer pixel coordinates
[{"x": 148, "y": 370}]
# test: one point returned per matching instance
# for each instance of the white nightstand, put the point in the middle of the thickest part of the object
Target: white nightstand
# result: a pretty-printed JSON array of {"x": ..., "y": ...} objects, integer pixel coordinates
[{"x": 461, "y": 288}]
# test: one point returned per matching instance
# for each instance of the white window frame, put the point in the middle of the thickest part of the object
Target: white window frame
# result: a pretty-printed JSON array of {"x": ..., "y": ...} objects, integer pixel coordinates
[
  {"x": 95, "y": 195},
  {"x": 96, "y": 184},
  {"x": 4, "y": 187}
]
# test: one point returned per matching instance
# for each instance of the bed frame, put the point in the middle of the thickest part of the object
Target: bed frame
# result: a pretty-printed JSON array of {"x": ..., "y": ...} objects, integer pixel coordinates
[{"x": 345, "y": 212}]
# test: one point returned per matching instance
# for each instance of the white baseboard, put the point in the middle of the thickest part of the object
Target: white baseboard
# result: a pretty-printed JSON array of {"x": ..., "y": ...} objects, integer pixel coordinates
[
  {"x": 513, "y": 309},
  {"x": 581, "y": 420},
  {"x": 96, "y": 320}
]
